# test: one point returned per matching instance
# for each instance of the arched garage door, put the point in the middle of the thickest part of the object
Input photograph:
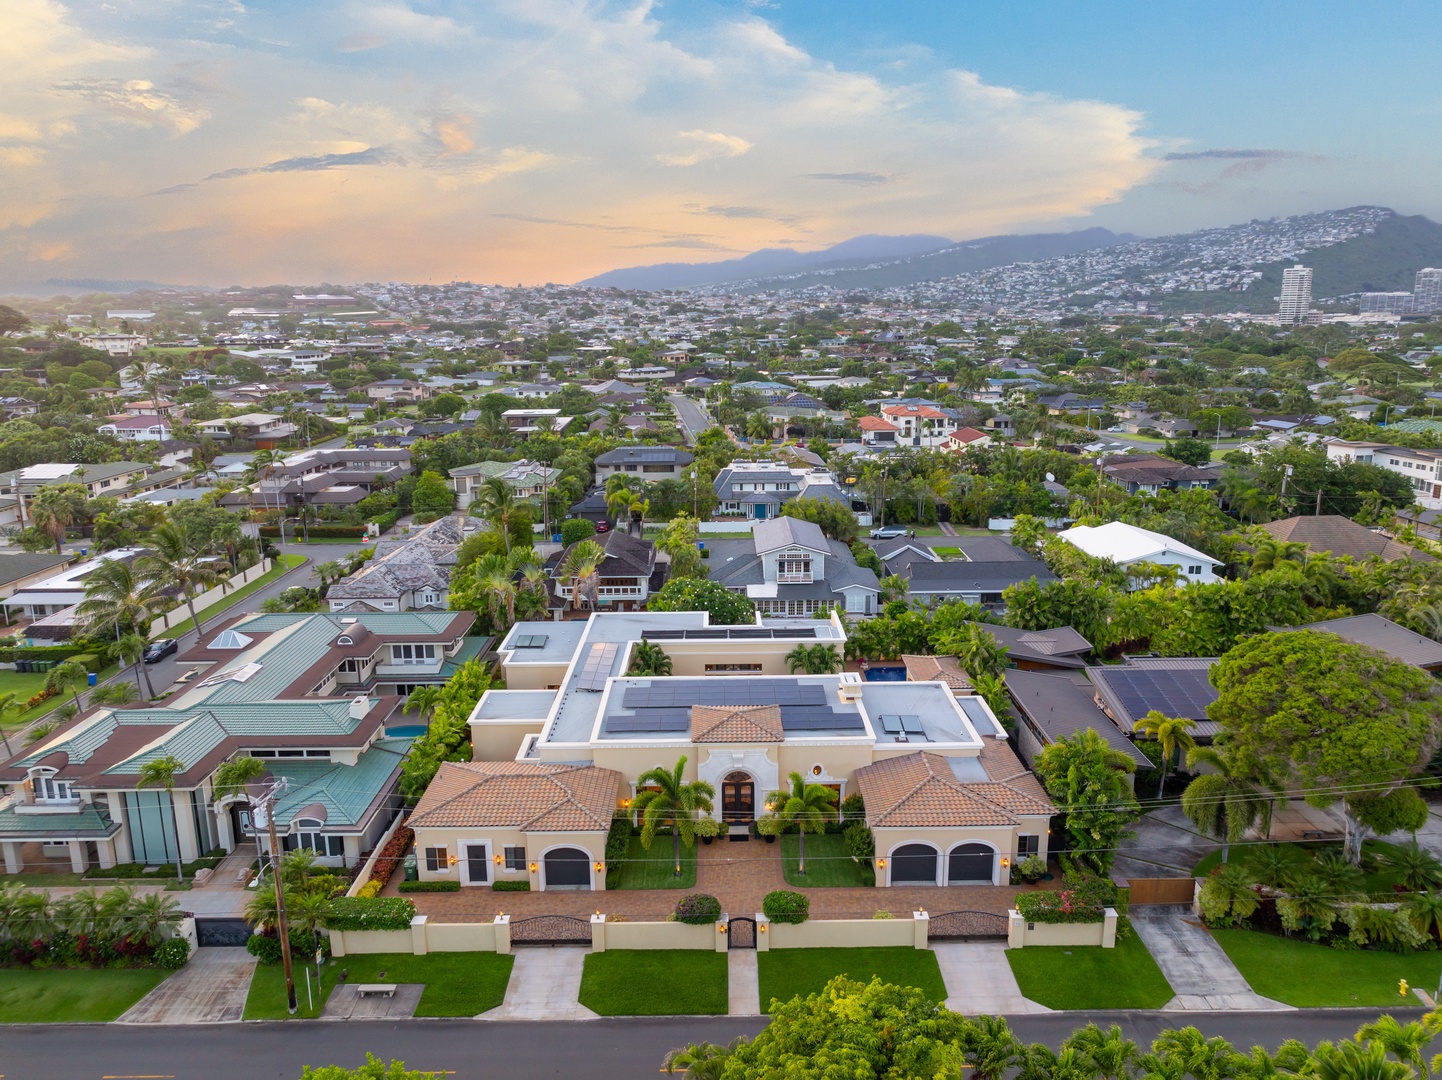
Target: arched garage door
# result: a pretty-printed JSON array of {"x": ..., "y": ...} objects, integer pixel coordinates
[
  {"x": 913, "y": 864},
  {"x": 971, "y": 863},
  {"x": 568, "y": 868}
]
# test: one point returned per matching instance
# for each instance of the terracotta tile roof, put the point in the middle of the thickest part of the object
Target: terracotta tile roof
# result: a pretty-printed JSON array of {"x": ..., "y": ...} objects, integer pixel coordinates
[
  {"x": 518, "y": 794},
  {"x": 968, "y": 435},
  {"x": 725, "y": 724},
  {"x": 923, "y": 412},
  {"x": 920, "y": 790},
  {"x": 936, "y": 669},
  {"x": 874, "y": 423}
]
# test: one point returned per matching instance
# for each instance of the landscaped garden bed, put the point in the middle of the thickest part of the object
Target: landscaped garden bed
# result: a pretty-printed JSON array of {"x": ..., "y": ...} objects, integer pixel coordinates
[
  {"x": 655, "y": 982},
  {"x": 785, "y": 973}
]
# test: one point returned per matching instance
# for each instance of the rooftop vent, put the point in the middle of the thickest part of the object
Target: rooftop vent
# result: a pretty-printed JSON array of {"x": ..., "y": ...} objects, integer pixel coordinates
[{"x": 850, "y": 686}]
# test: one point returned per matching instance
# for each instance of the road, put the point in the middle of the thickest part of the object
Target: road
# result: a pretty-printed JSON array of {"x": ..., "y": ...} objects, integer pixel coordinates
[
  {"x": 691, "y": 416},
  {"x": 621, "y": 1049}
]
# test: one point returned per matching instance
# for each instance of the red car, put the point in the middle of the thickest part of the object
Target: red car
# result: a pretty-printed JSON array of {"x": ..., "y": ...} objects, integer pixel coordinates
[{"x": 603, "y": 527}]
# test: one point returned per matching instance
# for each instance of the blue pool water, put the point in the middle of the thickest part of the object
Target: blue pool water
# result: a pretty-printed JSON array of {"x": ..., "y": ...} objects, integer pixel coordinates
[
  {"x": 886, "y": 674},
  {"x": 406, "y": 731}
]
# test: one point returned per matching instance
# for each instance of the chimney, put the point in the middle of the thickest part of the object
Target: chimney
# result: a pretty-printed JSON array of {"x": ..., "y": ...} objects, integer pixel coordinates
[{"x": 359, "y": 706}]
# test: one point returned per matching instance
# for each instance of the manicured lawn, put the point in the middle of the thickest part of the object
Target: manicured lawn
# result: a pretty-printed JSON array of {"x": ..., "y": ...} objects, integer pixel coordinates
[
  {"x": 1090, "y": 977},
  {"x": 828, "y": 863},
  {"x": 266, "y": 1000},
  {"x": 785, "y": 973},
  {"x": 72, "y": 995},
  {"x": 660, "y": 982},
  {"x": 27, "y": 685},
  {"x": 283, "y": 564},
  {"x": 457, "y": 984},
  {"x": 1312, "y": 976},
  {"x": 46, "y": 881},
  {"x": 656, "y": 869},
  {"x": 948, "y": 552}
]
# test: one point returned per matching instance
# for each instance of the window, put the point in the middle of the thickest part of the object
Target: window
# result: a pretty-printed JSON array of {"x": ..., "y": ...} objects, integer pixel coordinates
[
  {"x": 436, "y": 860},
  {"x": 1194, "y": 571},
  {"x": 351, "y": 665},
  {"x": 710, "y": 668},
  {"x": 515, "y": 858},
  {"x": 49, "y": 789},
  {"x": 413, "y": 654},
  {"x": 1027, "y": 845}
]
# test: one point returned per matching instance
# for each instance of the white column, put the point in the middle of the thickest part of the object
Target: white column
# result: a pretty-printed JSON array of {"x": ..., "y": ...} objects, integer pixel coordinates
[
  {"x": 11, "y": 848},
  {"x": 106, "y": 850},
  {"x": 185, "y": 825},
  {"x": 123, "y": 852},
  {"x": 77, "y": 856},
  {"x": 223, "y": 835}
]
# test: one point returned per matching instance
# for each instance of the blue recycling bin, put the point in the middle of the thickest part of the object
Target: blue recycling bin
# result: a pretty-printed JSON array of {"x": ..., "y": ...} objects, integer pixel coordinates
[{"x": 91, "y": 679}]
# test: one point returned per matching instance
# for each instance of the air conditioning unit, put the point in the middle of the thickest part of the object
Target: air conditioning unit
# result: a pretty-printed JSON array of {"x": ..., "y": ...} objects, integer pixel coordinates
[{"x": 850, "y": 688}]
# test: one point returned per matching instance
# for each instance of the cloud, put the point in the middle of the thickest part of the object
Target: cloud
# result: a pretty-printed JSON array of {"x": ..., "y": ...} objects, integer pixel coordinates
[
  {"x": 865, "y": 179},
  {"x": 139, "y": 101},
  {"x": 359, "y": 43},
  {"x": 375, "y": 155},
  {"x": 713, "y": 144},
  {"x": 508, "y": 162},
  {"x": 1232, "y": 155}
]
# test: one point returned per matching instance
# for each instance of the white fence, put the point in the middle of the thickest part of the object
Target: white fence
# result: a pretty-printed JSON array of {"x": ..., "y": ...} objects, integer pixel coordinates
[{"x": 209, "y": 597}]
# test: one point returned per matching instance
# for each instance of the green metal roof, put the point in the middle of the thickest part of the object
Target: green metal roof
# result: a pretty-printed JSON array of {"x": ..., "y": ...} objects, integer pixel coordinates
[
  {"x": 470, "y": 648},
  {"x": 346, "y": 791},
  {"x": 385, "y": 623},
  {"x": 86, "y": 825}
]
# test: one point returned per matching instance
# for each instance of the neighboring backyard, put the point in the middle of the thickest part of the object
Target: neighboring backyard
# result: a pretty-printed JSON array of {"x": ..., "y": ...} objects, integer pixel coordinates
[
  {"x": 1090, "y": 977},
  {"x": 785, "y": 973},
  {"x": 73, "y": 995},
  {"x": 654, "y": 982},
  {"x": 1316, "y": 976}
]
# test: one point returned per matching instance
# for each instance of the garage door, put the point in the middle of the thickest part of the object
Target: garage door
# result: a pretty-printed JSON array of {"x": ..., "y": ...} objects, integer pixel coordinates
[
  {"x": 568, "y": 868},
  {"x": 971, "y": 862},
  {"x": 913, "y": 864}
]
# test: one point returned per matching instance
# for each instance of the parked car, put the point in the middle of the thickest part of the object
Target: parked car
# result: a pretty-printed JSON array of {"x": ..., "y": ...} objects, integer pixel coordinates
[
  {"x": 160, "y": 648},
  {"x": 1116, "y": 427},
  {"x": 889, "y": 532},
  {"x": 603, "y": 527}
]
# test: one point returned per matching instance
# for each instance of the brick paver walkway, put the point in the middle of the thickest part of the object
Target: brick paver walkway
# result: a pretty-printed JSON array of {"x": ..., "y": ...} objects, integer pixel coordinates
[{"x": 738, "y": 875}]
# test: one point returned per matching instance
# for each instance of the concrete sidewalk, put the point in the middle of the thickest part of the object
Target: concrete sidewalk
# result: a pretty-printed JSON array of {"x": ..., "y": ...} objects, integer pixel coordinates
[
  {"x": 1200, "y": 972},
  {"x": 743, "y": 983},
  {"x": 211, "y": 989},
  {"x": 980, "y": 981},
  {"x": 545, "y": 984}
]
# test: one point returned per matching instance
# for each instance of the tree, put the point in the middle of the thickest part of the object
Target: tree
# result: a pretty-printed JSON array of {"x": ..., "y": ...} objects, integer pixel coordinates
[
  {"x": 977, "y": 651},
  {"x": 69, "y": 676},
  {"x": 679, "y": 541},
  {"x": 1082, "y": 605},
  {"x": 116, "y": 693},
  {"x": 813, "y": 659},
  {"x": 161, "y": 772},
  {"x": 423, "y": 700},
  {"x": 1222, "y": 802},
  {"x": 170, "y": 557},
  {"x": 118, "y": 598},
  {"x": 373, "y": 1069},
  {"x": 1172, "y": 733},
  {"x": 1187, "y": 450},
  {"x": 726, "y": 608},
  {"x": 56, "y": 507},
  {"x": 836, "y": 520},
  {"x": 665, "y": 798},
  {"x": 497, "y": 503},
  {"x": 581, "y": 568},
  {"x": 1088, "y": 779},
  {"x": 1342, "y": 722},
  {"x": 432, "y": 495},
  {"x": 574, "y": 530},
  {"x": 807, "y": 806},
  {"x": 648, "y": 658}
]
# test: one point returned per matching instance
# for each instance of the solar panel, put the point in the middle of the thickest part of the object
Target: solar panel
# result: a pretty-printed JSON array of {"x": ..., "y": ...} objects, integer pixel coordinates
[
  {"x": 912, "y": 725},
  {"x": 596, "y": 668},
  {"x": 1179, "y": 692},
  {"x": 648, "y": 722},
  {"x": 891, "y": 724},
  {"x": 662, "y": 635},
  {"x": 531, "y": 641}
]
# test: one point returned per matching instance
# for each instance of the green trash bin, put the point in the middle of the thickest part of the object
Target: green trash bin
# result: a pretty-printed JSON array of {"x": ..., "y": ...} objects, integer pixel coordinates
[{"x": 409, "y": 866}]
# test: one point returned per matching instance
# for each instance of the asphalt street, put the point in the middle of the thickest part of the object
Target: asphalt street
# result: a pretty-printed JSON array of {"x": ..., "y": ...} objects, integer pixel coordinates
[
  {"x": 619, "y": 1049},
  {"x": 691, "y": 416}
]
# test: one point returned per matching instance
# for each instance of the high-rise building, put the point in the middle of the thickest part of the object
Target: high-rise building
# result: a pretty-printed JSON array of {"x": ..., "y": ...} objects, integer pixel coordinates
[
  {"x": 1427, "y": 293},
  {"x": 1390, "y": 303},
  {"x": 1296, "y": 294}
]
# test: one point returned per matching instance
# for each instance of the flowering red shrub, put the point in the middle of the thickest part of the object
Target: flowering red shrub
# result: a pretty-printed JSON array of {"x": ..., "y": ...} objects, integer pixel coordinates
[{"x": 392, "y": 854}]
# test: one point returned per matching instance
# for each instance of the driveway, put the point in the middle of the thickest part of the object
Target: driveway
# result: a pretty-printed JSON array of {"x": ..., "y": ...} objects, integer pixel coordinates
[
  {"x": 1200, "y": 972},
  {"x": 1166, "y": 844},
  {"x": 211, "y": 989},
  {"x": 979, "y": 981},
  {"x": 545, "y": 984}
]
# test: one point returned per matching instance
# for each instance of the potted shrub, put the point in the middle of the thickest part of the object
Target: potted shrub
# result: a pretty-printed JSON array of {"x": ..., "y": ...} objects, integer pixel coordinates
[{"x": 707, "y": 828}]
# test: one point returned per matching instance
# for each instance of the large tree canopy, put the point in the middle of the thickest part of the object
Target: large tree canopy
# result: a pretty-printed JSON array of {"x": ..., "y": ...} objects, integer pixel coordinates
[{"x": 1333, "y": 720}]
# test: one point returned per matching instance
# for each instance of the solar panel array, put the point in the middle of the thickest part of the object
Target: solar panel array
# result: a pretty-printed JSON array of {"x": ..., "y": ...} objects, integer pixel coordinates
[
  {"x": 1183, "y": 692},
  {"x": 665, "y": 704},
  {"x": 730, "y": 633},
  {"x": 903, "y": 728},
  {"x": 596, "y": 668},
  {"x": 530, "y": 641}
]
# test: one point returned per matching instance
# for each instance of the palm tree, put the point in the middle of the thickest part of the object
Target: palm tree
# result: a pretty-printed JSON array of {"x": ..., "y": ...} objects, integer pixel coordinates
[
  {"x": 25, "y": 913},
  {"x": 151, "y": 918},
  {"x": 807, "y": 806},
  {"x": 1269, "y": 554},
  {"x": 116, "y": 693},
  {"x": 235, "y": 777},
  {"x": 69, "y": 676},
  {"x": 497, "y": 503},
  {"x": 118, "y": 595},
  {"x": 1173, "y": 733},
  {"x": 10, "y": 708},
  {"x": 977, "y": 650},
  {"x": 989, "y": 1047},
  {"x": 813, "y": 659},
  {"x": 1349, "y": 1060},
  {"x": 648, "y": 658},
  {"x": 170, "y": 557},
  {"x": 618, "y": 502},
  {"x": 160, "y": 772},
  {"x": 758, "y": 427},
  {"x": 1405, "y": 1042},
  {"x": 1224, "y": 803},
  {"x": 582, "y": 569},
  {"x": 131, "y": 650},
  {"x": 699, "y": 1061},
  {"x": 423, "y": 701},
  {"x": 665, "y": 798},
  {"x": 56, "y": 507},
  {"x": 1416, "y": 868},
  {"x": 497, "y": 579},
  {"x": 1110, "y": 1052}
]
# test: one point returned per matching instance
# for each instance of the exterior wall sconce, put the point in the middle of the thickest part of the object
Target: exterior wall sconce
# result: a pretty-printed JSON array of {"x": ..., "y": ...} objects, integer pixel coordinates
[
  {"x": 721, "y": 928},
  {"x": 452, "y": 860},
  {"x": 600, "y": 866},
  {"x": 497, "y": 860},
  {"x": 625, "y": 804},
  {"x": 533, "y": 868},
  {"x": 881, "y": 864},
  {"x": 762, "y": 928},
  {"x": 770, "y": 807},
  {"x": 816, "y": 770},
  {"x": 1005, "y": 862}
]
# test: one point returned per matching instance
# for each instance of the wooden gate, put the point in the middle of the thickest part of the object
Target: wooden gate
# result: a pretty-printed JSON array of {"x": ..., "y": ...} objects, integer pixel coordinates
[{"x": 1161, "y": 890}]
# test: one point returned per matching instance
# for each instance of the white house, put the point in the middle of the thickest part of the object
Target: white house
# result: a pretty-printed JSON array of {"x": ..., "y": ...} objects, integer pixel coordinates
[
  {"x": 137, "y": 428},
  {"x": 1126, "y": 544}
]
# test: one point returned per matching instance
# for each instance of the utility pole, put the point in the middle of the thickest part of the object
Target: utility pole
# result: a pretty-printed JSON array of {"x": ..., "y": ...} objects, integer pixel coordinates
[
  {"x": 281, "y": 928},
  {"x": 1286, "y": 475}
]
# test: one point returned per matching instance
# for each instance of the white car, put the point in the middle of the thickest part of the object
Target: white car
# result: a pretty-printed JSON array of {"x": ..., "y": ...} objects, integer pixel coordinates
[
  {"x": 889, "y": 532},
  {"x": 1116, "y": 427}
]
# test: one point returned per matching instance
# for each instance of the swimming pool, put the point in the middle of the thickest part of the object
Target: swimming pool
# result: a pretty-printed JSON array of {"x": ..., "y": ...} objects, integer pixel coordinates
[
  {"x": 885, "y": 674},
  {"x": 406, "y": 731}
]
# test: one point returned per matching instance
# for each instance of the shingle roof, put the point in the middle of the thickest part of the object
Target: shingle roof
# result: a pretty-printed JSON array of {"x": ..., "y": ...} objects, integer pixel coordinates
[
  {"x": 921, "y": 790},
  {"x": 517, "y": 794},
  {"x": 746, "y": 724},
  {"x": 1384, "y": 635},
  {"x": 1342, "y": 536}
]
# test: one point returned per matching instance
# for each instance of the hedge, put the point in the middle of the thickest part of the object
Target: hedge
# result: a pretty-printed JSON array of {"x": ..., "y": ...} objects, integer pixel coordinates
[
  {"x": 11, "y": 653},
  {"x": 429, "y": 886},
  {"x": 783, "y": 906},
  {"x": 698, "y": 909},
  {"x": 386, "y": 521},
  {"x": 391, "y": 855},
  {"x": 378, "y": 913},
  {"x": 265, "y": 946},
  {"x": 1082, "y": 901},
  {"x": 618, "y": 845},
  {"x": 511, "y": 886}
]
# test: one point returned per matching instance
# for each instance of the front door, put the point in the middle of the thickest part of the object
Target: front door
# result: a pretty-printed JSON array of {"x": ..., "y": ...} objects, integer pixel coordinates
[
  {"x": 738, "y": 798},
  {"x": 478, "y": 863}
]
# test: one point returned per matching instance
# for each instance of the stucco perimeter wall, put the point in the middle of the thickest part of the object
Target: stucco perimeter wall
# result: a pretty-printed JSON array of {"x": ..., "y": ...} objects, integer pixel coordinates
[
  {"x": 460, "y": 937},
  {"x": 845, "y": 934},
  {"x": 659, "y": 935},
  {"x": 1020, "y": 933},
  {"x": 348, "y": 942}
]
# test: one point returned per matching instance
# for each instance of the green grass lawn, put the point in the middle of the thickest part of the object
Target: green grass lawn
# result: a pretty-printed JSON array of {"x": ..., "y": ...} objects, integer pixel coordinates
[
  {"x": 25, "y": 718},
  {"x": 266, "y": 1000},
  {"x": 656, "y": 869},
  {"x": 828, "y": 863},
  {"x": 46, "y": 881},
  {"x": 660, "y": 982},
  {"x": 284, "y": 564},
  {"x": 1314, "y": 976},
  {"x": 947, "y": 552},
  {"x": 457, "y": 984},
  {"x": 70, "y": 995},
  {"x": 1090, "y": 977},
  {"x": 785, "y": 973}
]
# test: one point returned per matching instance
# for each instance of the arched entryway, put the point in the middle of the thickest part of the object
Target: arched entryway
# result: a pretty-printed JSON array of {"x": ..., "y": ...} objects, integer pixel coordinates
[
  {"x": 738, "y": 797},
  {"x": 913, "y": 864},
  {"x": 971, "y": 864},
  {"x": 567, "y": 868}
]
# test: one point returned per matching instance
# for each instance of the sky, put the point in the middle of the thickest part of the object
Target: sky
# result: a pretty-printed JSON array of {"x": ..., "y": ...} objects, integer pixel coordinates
[{"x": 220, "y": 142}]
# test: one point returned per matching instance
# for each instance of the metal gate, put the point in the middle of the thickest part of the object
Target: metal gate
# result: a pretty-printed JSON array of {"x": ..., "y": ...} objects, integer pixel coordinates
[
  {"x": 222, "y": 933},
  {"x": 741, "y": 933},
  {"x": 551, "y": 930},
  {"x": 966, "y": 926}
]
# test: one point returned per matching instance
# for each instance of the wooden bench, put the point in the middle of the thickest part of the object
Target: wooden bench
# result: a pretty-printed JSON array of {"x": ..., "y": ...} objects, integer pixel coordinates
[{"x": 368, "y": 989}]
